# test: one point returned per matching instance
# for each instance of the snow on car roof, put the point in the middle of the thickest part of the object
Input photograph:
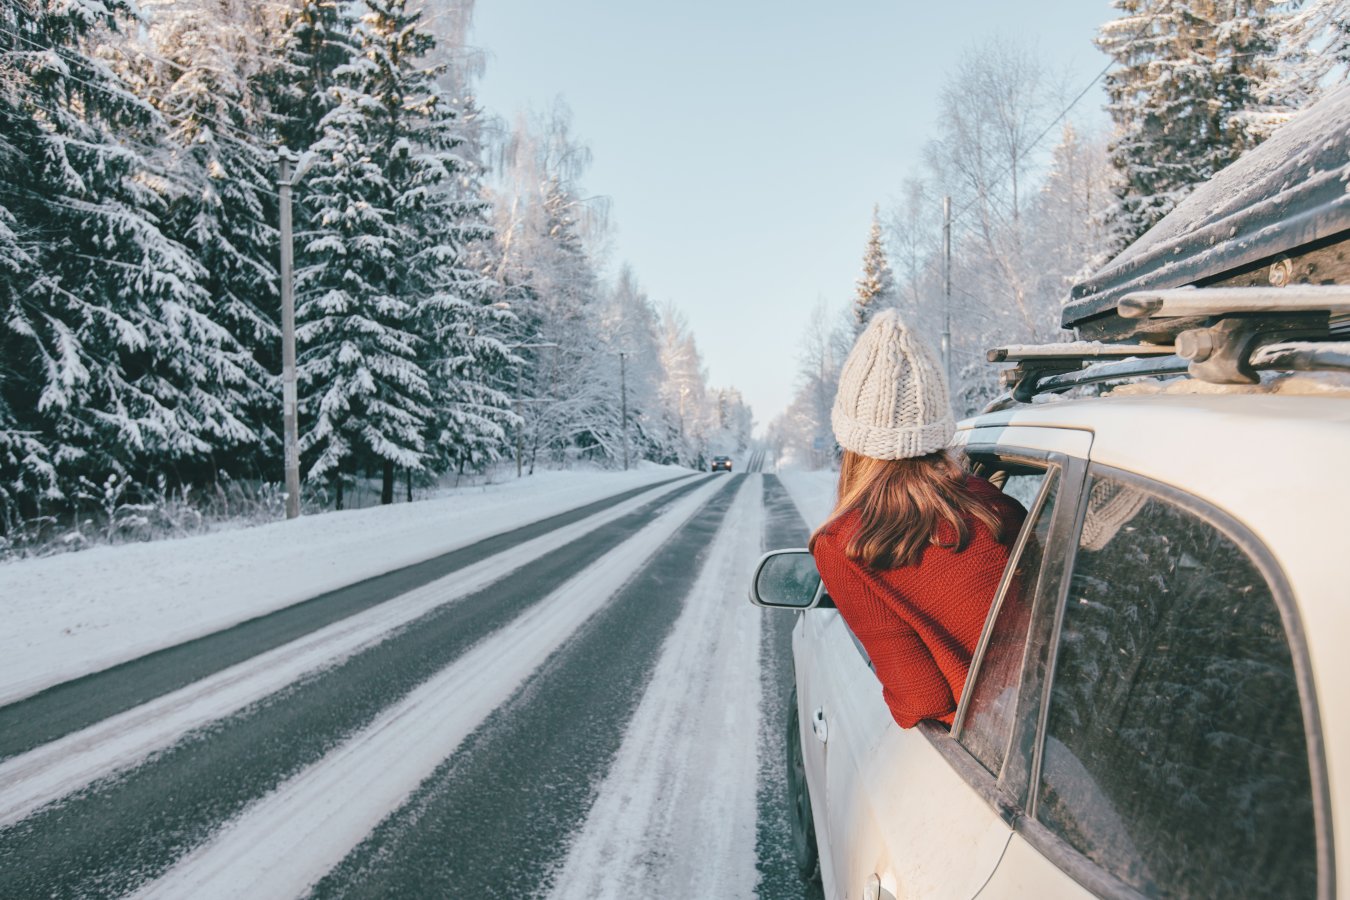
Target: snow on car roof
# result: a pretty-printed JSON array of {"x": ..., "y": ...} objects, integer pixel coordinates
[{"x": 1290, "y": 191}]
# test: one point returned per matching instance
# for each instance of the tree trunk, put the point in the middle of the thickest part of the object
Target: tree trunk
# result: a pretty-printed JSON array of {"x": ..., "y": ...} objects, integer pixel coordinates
[
  {"x": 387, "y": 484},
  {"x": 337, "y": 487},
  {"x": 408, "y": 481}
]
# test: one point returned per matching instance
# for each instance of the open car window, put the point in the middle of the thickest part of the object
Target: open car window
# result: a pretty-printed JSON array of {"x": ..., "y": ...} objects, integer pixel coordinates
[{"x": 990, "y": 705}]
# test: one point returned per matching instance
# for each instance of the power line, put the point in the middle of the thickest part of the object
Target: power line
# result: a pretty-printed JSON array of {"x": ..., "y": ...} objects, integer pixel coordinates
[
  {"x": 1007, "y": 170},
  {"x": 234, "y": 130}
]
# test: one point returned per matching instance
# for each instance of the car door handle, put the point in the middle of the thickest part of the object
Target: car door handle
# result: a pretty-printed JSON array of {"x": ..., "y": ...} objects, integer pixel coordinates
[{"x": 818, "y": 727}]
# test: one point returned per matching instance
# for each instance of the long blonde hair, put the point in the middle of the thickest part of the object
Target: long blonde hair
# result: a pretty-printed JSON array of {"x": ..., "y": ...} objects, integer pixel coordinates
[{"x": 904, "y": 505}]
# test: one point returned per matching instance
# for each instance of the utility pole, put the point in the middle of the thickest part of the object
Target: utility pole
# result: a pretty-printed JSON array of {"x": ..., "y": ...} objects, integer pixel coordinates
[
  {"x": 285, "y": 162},
  {"x": 947, "y": 290},
  {"x": 623, "y": 394}
]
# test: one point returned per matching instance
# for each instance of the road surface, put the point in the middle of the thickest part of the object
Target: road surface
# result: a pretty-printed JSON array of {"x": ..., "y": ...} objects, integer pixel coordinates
[{"x": 583, "y": 707}]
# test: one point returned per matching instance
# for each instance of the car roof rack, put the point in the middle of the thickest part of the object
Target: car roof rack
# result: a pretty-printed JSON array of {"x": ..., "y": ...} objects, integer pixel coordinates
[{"x": 1222, "y": 335}]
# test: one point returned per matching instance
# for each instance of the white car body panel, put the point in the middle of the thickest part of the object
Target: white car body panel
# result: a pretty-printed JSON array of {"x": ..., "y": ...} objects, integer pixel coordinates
[
  {"x": 1024, "y": 874},
  {"x": 947, "y": 841}
]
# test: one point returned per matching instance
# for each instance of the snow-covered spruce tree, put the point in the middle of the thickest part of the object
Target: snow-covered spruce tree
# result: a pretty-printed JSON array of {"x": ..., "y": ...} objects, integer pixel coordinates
[
  {"x": 365, "y": 396},
  {"x": 1183, "y": 99},
  {"x": 876, "y": 287},
  {"x": 199, "y": 64},
  {"x": 112, "y": 361},
  {"x": 1313, "y": 54},
  {"x": 313, "y": 39},
  {"x": 400, "y": 339}
]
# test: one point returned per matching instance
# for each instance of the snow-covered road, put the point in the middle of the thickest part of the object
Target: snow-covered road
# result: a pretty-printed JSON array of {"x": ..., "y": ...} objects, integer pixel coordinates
[{"x": 586, "y": 710}]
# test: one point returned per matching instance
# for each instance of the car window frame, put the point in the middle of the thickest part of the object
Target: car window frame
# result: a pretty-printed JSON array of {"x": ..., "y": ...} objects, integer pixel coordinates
[
  {"x": 1007, "y": 792},
  {"x": 1065, "y": 856}
]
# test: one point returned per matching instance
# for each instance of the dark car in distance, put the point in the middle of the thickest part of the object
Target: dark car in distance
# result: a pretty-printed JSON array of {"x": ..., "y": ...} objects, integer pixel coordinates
[{"x": 722, "y": 463}]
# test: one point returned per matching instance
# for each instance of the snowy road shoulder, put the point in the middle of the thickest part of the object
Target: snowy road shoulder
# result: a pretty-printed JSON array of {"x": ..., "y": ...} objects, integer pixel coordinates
[
  {"x": 69, "y": 615},
  {"x": 812, "y": 492}
]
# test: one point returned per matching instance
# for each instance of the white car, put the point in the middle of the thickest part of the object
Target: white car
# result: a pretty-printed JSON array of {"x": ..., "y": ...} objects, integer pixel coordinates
[
  {"x": 1157, "y": 706},
  {"x": 1151, "y": 713}
]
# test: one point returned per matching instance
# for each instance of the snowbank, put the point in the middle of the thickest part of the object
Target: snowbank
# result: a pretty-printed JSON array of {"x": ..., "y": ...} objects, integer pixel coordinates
[
  {"x": 77, "y": 613},
  {"x": 813, "y": 492}
]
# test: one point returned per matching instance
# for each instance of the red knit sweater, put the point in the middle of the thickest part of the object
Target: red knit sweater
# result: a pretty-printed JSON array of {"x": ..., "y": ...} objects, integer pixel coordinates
[{"x": 920, "y": 623}]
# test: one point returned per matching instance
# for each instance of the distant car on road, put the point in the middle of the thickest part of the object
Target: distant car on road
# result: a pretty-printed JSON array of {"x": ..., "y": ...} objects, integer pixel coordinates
[
  {"x": 1156, "y": 707},
  {"x": 722, "y": 463}
]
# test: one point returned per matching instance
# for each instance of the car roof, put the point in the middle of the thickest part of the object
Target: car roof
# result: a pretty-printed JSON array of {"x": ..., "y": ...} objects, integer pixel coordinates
[{"x": 1213, "y": 445}]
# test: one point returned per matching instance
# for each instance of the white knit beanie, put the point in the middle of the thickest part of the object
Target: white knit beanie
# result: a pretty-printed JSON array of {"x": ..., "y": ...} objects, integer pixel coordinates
[{"x": 892, "y": 401}]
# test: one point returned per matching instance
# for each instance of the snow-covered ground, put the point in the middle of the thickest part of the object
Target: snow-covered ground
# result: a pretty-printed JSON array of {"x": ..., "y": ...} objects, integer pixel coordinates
[
  {"x": 77, "y": 613},
  {"x": 813, "y": 492}
]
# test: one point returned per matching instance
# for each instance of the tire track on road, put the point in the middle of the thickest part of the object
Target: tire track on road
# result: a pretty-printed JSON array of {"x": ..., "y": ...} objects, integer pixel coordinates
[
  {"x": 495, "y": 818},
  {"x": 68, "y": 707},
  {"x": 675, "y": 814},
  {"x": 121, "y": 832},
  {"x": 778, "y": 878}
]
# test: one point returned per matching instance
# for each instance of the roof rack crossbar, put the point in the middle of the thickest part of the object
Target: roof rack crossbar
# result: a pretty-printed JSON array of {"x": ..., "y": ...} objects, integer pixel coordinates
[
  {"x": 1304, "y": 356},
  {"x": 1074, "y": 350},
  {"x": 1289, "y": 356},
  {"x": 1134, "y": 368},
  {"x": 1184, "y": 302}
]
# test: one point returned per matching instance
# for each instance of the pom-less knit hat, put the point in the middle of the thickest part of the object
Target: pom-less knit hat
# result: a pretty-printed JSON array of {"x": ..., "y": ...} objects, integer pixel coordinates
[{"x": 892, "y": 401}]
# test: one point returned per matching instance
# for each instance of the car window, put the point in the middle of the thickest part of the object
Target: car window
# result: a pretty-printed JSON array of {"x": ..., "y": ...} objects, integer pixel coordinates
[
  {"x": 1175, "y": 754},
  {"x": 987, "y": 725}
]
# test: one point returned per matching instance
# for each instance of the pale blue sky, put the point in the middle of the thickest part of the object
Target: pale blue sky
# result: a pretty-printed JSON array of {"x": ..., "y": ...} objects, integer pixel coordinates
[{"x": 743, "y": 142}]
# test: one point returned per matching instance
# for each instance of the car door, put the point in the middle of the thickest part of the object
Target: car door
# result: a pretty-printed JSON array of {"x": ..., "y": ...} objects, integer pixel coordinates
[
  {"x": 1173, "y": 757},
  {"x": 912, "y": 812}
]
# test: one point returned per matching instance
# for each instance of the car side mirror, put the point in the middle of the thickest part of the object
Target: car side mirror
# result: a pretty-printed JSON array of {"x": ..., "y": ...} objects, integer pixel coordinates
[{"x": 787, "y": 579}]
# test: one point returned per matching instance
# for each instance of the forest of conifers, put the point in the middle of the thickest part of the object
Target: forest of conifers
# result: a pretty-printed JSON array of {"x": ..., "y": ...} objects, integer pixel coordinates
[{"x": 451, "y": 310}]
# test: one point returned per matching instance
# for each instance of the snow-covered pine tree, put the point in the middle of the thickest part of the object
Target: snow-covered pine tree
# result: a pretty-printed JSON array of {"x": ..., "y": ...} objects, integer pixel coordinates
[
  {"x": 364, "y": 393},
  {"x": 1314, "y": 51},
  {"x": 198, "y": 64},
  {"x": 568, "y": 390},
  {"x": 876, "y": 287},
  {"x": 314, "y": 39},
  {"x": 1067, "y": 229},
  {"x": 1183, "y": 99},
  {"x": 684, "y": 391},
  {"x": 114, "y": 364}
]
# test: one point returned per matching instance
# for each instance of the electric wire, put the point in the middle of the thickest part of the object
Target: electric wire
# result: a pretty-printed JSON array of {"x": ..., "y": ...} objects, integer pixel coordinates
[
  {"x": 233, "y": 130},
  {"x": 1008, "y": 169}
]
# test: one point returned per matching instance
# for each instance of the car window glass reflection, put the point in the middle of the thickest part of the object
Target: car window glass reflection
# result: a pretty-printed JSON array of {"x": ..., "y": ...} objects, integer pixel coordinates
[
  {"x": 1175, "y": 754},
  {"x": 993, "y": 698}
]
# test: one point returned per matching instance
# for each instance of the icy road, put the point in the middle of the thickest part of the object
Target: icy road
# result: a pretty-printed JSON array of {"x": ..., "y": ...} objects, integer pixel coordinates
[{"x": 584, "y": 706}]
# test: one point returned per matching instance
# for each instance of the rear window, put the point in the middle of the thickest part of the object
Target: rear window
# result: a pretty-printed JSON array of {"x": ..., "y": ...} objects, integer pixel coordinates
[{"x": 1175, "y": 755}]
